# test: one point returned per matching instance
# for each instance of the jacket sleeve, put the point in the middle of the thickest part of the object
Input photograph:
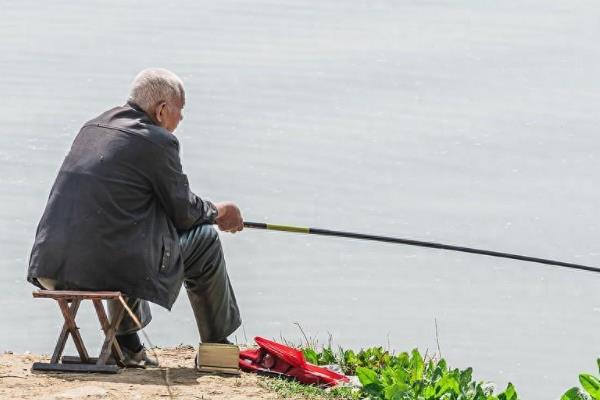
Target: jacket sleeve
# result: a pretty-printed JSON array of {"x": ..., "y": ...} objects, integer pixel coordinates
[{"x": 171, "y": 186}]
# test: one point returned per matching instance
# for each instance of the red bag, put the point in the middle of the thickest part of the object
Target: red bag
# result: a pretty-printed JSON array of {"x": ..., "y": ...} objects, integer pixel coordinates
[{"x": 276, "y": 359}]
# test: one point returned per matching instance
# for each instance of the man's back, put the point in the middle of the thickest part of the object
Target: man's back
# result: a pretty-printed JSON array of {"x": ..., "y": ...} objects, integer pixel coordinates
[{"x": 112, "y": 216}]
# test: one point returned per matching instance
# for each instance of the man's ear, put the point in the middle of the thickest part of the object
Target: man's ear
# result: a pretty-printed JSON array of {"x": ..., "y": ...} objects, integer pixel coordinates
[{"x": 159, "y": 112}]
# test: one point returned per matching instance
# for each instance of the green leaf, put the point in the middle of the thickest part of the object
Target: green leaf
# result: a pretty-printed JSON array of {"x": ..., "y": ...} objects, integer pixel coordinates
[
  {"x": 442, "y": 364},
  {"x": 371, "y": 384},
  {"x": 428, "y": 392},
  {"x": 574, "y": 394},
  {"x": 509, "y": 393},
  {"x": 465, "y": 377},
  {"x": 396, "y": 391},
  {"x": 418, "y": 389},
  {"x": 417, "y": 366},
  {"x": 388, "y": 377},
  {"x": 403, "y": 359},
  {"x": 591, "y": 384},
  {"x": 366, "y": 376},
  {"x": 439, "y": 370},
  {"x": 598, "y": 362},
  {"x": 447, "y": 384},
  {"x": 351, "y": 362},
  {"x": 327, "y": 356},
  {"x": 401, "y": 375},
  {"x": 311, "y": 356}
]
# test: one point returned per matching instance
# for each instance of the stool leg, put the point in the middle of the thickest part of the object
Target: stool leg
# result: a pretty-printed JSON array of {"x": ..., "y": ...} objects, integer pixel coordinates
[
  {"x": 72, "y": 328},
  {"x": 64, "y": 334},
  {"x": 111, "y": 332},
  {"x": 116, "y": 349}
]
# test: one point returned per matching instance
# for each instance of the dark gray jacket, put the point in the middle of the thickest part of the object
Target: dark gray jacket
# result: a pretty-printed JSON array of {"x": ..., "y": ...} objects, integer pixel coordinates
[{"x": 115, "y": 208}]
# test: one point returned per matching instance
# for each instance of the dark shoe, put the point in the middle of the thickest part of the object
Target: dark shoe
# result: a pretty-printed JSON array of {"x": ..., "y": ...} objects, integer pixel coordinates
[{"x": 139, "y": 359}]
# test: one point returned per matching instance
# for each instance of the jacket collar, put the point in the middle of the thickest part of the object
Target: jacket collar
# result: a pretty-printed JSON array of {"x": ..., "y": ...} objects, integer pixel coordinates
[
  {"x": 131, "y": 104},
  {"x": 137, "y": 108}
]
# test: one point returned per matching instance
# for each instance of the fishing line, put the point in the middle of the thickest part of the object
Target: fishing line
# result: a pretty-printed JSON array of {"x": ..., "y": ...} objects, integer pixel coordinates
[
  {"x": 152, "y": 347},
  {"x": 411, "y": 242}
]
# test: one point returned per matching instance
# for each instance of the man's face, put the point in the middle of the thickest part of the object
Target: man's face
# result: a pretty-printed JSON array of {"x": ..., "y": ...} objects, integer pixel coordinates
[{"x": 169, "y": 114}]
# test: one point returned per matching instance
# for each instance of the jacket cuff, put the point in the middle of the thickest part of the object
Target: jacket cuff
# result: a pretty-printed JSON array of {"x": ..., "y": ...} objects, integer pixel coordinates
[{"x": 210, "y": 212}]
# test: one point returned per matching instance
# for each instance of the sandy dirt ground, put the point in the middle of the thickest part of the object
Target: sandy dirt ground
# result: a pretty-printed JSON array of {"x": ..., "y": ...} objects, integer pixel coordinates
[{"x": 17, "y": 381}]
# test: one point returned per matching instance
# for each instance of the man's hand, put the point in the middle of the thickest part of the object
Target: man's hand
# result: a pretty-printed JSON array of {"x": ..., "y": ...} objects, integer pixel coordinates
[{"x": 229, "y": 217}]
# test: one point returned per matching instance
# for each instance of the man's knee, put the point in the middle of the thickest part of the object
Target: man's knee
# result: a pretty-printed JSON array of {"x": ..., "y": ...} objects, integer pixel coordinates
[
  {"x": 209, "y": 232},
  {"x": 210, "y": 238},
  {"x": 205, "y": 252},
  {"x": 200, "y": 236}
]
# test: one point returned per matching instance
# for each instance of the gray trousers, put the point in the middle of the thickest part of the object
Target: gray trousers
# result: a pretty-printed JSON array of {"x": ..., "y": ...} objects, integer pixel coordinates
[{"x": 207, "y": 284}]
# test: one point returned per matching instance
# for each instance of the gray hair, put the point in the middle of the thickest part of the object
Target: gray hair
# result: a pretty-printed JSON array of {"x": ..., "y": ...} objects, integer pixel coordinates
[{"x": 155, "y": 85}]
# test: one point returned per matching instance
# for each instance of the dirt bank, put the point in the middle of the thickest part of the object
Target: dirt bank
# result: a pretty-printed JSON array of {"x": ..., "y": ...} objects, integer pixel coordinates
[{"x": 17, "y": 381}]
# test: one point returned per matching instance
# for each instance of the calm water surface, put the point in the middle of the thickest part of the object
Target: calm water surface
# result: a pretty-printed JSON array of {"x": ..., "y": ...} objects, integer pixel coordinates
[{"x": 466, "y": 122}]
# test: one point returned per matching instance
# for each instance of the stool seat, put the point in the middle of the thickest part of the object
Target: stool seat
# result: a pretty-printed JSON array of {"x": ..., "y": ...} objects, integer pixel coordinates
[
  {"x": 76, "y": 294},
  {"x": 69, "y": 301}
]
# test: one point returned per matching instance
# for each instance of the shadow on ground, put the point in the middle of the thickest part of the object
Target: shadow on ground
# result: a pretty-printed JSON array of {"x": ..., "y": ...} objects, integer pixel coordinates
[{"x": 150, "y": 376}]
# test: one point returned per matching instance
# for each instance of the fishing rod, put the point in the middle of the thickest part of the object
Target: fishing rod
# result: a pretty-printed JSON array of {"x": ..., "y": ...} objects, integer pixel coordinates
[{"x": 388, "y": 239}]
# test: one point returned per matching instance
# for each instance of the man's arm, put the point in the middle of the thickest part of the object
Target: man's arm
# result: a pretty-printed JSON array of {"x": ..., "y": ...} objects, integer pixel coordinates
[{"x": 171, "y": 186}]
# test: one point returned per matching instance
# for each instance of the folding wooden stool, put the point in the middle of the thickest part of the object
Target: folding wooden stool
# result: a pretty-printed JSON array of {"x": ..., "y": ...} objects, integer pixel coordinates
[{"x": 84, "y": 363}]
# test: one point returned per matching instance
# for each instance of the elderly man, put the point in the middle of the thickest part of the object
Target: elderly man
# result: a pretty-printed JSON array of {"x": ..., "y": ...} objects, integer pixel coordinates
[{"x": 121, "y": 216}]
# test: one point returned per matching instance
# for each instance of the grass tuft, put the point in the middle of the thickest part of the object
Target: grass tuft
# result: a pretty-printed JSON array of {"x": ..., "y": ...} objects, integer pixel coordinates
[{"x": 290, "y": 389}]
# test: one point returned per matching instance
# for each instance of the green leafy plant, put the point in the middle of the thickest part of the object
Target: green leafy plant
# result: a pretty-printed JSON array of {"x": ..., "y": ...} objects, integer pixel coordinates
[
  {"x": 590, "y": 384},
  {"x": 406, "y": 376}
]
